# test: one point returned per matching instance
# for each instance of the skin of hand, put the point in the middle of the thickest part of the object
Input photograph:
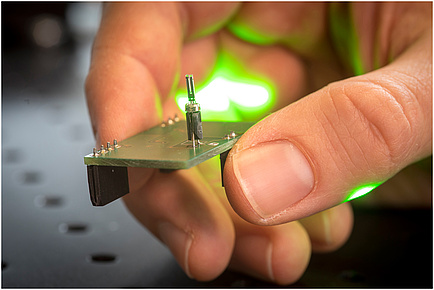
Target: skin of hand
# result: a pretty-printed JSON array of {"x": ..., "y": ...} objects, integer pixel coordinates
[{"x": 289, "y": 174}]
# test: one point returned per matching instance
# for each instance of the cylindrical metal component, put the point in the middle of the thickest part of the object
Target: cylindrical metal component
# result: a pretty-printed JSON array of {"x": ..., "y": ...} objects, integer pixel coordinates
[
  {"x": 190, "y": 87},
  {"x": 192, "y": 112},
  {"x": 192, "y": 107},
  {"x": 194, "y": 125}
]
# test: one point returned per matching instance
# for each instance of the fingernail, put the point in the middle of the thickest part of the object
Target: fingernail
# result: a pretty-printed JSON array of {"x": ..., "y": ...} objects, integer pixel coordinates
[
  {"x": 255, "y": 253},
  {"x": 179, "y": 243},
  {"x": 273, "y": 176}
]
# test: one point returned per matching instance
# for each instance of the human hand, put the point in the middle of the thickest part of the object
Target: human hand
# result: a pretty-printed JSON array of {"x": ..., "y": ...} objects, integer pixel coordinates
[{"x": 361, "y": 130}]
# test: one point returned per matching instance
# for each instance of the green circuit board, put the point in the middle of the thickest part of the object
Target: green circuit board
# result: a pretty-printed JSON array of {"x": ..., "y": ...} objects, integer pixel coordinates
[{"x": 166, "y": 146}]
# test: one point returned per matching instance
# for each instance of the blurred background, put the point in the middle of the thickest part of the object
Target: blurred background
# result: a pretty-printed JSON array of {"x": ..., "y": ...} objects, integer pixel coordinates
[{"x": 53, "y": 237}]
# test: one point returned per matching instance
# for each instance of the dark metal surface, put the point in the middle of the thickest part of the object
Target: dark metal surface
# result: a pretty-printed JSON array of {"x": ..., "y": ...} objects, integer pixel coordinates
[
  {"x": 107, "y": 183},
  {"x": 223, "y": 157},
  {"x": 53, "y": 237}
]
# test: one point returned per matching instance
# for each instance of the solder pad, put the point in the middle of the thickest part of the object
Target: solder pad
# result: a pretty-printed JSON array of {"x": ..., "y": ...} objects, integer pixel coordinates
[{"x": 166, "y": 146}]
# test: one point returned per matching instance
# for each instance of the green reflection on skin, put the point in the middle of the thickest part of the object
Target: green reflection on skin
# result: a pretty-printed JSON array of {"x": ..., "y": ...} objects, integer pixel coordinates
[{"x": 361, "y": 191}]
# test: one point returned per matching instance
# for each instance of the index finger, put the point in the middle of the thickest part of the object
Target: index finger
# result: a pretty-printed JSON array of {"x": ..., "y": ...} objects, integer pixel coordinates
[{"x": 134, "y": 62}]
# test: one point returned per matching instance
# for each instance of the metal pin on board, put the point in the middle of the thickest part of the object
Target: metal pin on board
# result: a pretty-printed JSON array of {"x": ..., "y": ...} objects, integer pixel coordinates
[
  {"x": 193, "y": 141},
  {"x": 231, "y": 135}
]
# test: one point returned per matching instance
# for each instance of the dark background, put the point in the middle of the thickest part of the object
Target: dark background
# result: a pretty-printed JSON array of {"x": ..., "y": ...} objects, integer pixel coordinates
[{"x": 53, "y": 237}]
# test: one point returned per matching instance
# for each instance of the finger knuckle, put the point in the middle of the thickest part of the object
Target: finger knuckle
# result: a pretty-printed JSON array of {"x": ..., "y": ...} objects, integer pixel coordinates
[{"x": 370, "y": 118}]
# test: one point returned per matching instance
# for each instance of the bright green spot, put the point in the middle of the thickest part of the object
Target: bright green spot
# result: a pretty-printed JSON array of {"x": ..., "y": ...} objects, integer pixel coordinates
[
  {"x": 220, "y": 93},
  {"x": 231, "y": 93},
  {"x": 361, "y": 191}
]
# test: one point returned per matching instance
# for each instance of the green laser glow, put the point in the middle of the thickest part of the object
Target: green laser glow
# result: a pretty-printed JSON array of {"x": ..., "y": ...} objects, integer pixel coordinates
[
  {"x": 361, "y": 191},
  {"x": 225, "y": 99},
  {"x": 232, "y": 92},
  {"x": 250, "y": 35},
  {"x": 220, "y": 92},
  {"x": 344, "y": 35}
]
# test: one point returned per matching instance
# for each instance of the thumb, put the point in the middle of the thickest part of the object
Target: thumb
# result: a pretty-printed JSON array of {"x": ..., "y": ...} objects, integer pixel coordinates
[{"x": 312, "y": 154}]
